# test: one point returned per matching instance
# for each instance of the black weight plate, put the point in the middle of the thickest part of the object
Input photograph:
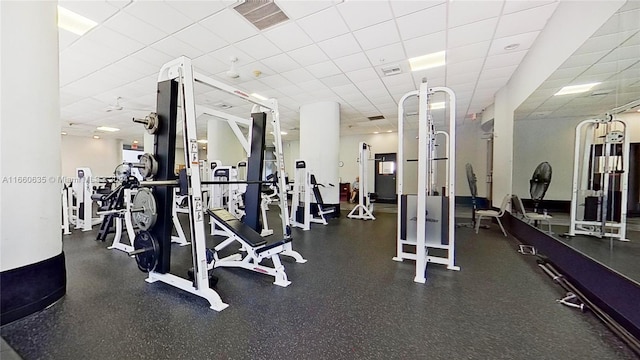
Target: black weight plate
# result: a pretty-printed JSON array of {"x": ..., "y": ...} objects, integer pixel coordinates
[{"x": 147, "y": 260}]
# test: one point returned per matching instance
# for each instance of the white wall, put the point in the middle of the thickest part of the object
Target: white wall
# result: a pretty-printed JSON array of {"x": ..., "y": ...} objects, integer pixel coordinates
[
  {"x": 553, "y": 142},
  {"x": 101, "y": 155},
  {"x": 471, "y": 148}
]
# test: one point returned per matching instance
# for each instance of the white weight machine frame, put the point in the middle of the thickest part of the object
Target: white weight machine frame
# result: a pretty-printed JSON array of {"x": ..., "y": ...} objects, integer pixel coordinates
[
  {"x": 82, "y": 189},
  {"x": 302, "y": 190},
  {"x": 365, "y": 206},
  {"x": 426, "y": 181},
  {"x": 181, "y": 70},
  {"x": 607, "y": 132}
]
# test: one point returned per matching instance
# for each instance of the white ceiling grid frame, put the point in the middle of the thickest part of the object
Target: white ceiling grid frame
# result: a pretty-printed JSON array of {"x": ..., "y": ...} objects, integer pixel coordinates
[
  {"x": 426, "y": 44},
  {"x": 308, "y": 55},
  {"x": 377, "y": 35},
  {"x": 340, "y": 46},
  {"x": 376, "y": 12},
  {"x": 129, "y": 25},
  {"x": 175, "y": 47},
  {"x": 323, "y": 25},
  {"x": 259, "y": 47},
  {"x": 198, "y": 10},
  {"x": 324, "y": 69},
  {"x": 388, "y": 55},
  {"x": 533, "y": 19},
  {"x": 97, "y": 11},
  {"x": 288, "y": 36},
  {"x": 353, "y": 62},
  {"x": 223, "y": 21},
  {"x": 153, "y": 12},
  {"x": 200, "y": 38},
  {"x": 432, "y": 20}
]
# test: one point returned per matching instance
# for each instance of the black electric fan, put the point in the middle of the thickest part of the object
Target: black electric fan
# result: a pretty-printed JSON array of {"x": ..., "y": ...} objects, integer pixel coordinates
[
  {"x": 473, "y": 189},
  {"x": 539, "y": 183}
]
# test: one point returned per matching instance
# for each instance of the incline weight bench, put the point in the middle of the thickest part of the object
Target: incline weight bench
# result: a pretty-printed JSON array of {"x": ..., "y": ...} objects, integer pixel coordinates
[{"x": 255, "y": 246}]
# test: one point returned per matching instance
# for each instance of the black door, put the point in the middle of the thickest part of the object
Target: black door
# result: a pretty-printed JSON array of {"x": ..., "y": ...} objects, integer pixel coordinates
[{"x": 385, "y": 177}]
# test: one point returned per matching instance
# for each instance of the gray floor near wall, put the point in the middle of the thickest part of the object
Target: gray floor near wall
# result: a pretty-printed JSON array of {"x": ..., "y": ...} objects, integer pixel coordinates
[{"x": 350, "y": 301}]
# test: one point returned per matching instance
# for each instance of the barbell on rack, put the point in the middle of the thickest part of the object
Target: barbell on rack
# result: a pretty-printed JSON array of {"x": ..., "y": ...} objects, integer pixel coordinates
[
  {"x": 147, "y": 165},
  {"x": 150, "y": 122}
]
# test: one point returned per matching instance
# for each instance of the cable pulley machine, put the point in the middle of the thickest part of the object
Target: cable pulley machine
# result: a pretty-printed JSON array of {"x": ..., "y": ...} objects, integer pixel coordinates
[{"x": 426, "y": 219}]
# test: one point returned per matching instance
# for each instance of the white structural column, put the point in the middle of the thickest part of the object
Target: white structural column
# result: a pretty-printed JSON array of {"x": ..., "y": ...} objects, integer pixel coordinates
[
  {"x": 148, "y": 142},
  {"x": 568, "y": 28},
  {"x": 222, "y": 143},
  {"x": 320, "y": 145},
  {"x": 30, "y": 228}
]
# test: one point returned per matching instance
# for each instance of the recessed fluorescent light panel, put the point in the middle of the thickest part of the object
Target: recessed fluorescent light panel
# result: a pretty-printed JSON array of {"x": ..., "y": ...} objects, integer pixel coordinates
[
  {"x": 436, "y": 105},
  {"x": 107, "y": 129},
  {"x": 576, "y": 89},
  {"x": 202, "y": 141},
  {"x": 428, "y": 61},
  {"x": 75, "y": 23},
  {"x": 96, "y": 137}
]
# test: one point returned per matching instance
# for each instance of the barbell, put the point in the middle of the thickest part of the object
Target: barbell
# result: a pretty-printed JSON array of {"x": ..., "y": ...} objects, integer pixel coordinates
[
  {"x": 147, "y": 165},
  {"x": 150, "y": 122}
]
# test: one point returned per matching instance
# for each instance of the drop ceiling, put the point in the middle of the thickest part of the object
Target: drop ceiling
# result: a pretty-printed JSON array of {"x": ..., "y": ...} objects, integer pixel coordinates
[{"x": 326, "y": 51}]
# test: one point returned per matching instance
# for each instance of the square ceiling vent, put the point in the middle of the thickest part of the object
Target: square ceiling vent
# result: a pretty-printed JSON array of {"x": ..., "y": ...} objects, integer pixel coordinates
[{"x": 262, "y": 14}]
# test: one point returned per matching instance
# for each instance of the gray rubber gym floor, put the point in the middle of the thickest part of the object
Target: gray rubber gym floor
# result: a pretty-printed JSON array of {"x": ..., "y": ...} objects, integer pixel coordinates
[{"x": 349, "y": 301}]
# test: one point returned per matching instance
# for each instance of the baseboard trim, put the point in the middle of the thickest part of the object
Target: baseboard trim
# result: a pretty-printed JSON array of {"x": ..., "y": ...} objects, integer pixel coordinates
[{"x": 31, "y": 288}]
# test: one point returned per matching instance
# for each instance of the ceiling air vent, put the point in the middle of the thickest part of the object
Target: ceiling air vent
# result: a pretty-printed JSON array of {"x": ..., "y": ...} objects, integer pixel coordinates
[
  {"x": 262, "y": 14},
  {"x": 601, "y": 93},
  {"x": 223, "y": 106},
  {"x": 377, "y": 117},
  {"x": 391, "y": 70}
]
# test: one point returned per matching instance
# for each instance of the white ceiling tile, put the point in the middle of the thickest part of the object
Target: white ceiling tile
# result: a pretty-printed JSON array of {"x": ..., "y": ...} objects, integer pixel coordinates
[
  {"x": 346, "y": 90},
  {"x": 153, "y": 12},
  {"x": 68, "y": 98},
  {"x": 226, "y": 53},
  {"x": 426, "y": 44},
  {"x": 503, "y": 60},
  {"x": 66, "y": 38},
  {"x": 340, "y": 46},
  {"x": 360, "y": 14},
  {"x": 377, "y": 35},
  {"x": 525, "y": 21},
  {"x": 471, "y": 33},
  {"x": 600, "y": 43},
  {"x": 153, "y": 56},
  {"x": 433, "y": 80},
  {"x": 198, "y": 10},
  {"x": 386, "y": 55},
  {"x": 308, "y": 55},
  {"x": 500, "y": 72},
  {"x": 465, "y": 12},
  {"x": 353, "y": 62},
  {"x": 587, "y": 59},
  {"x": 200, "y": 38},
  {"x": 609, "y": 68},
  {"x": 400, "y": 79},
  {"x": 459, "y": 79},
  {"x": 335, "y": 80},
  {"x": 622, "y": 23},
  {"x": 258, "y": 46},
  {"x": 404, "y": 7},
  {"x": 511, "y": 6},
  {"x": 175, "y": 47},
  {"x": 300, "y": 9},
  {"x": 474, "y": 66},
  {"x": 468, "y": 52},
  {"x": 431, "y": 20},
  {"x": 362, "y": 75},
  {"x": 119, "y": 3},
  {"x": 633, "y": 40},
  {"x": 525, "y": 40},
  {"x": 323, "y": 25},
  {"x": 312, "y": 85},
  {"x": 297, "y": 76},
  {"x": 131, "y": 26},
  {"x": 97, "y": 11},
  {"x": 288, "y": 36},
  {"x": 115, "y": 42},
  {"x": 230, "y": 26},
  {"x": 622, "y": 53},
  {"x": 209, "y": 65},
  {"x": 281, "y": 63},
  {"x": 275, "y": 81},
  {"x": 323, "y": 69}
]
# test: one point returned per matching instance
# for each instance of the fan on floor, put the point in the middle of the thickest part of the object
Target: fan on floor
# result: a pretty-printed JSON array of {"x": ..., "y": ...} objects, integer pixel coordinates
[{"x": 539, "y": 183}]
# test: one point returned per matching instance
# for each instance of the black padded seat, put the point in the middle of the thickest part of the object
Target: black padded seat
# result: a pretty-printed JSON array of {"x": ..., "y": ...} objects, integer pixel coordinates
[
  {"x": 271, "y": 246},
  {"x": 240, "y": 229}
]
